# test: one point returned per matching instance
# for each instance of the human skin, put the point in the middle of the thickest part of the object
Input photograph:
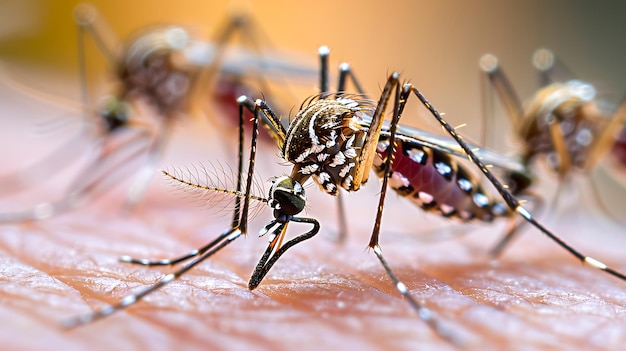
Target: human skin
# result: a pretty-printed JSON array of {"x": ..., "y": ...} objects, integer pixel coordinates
[{"x": 322, "y": 294}]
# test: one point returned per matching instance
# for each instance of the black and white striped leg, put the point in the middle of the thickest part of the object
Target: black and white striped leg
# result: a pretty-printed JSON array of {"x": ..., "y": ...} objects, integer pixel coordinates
[
  {"x": 424, "y": 313},
  {"x": 515, "y": 224},
  {"x": 244, "y": 102},
  {"x": 140, "y": 184},
  {"x": 129, "y": 300},
  {"x": 345, "y": 75},
  {"x": 510, "y": 200},
  {"x": 93, "y": 180},
  {"x": 200, "y": 255}
]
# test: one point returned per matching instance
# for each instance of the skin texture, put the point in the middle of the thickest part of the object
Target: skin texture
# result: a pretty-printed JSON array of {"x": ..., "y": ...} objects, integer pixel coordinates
[{"x": 320, "y": 295}]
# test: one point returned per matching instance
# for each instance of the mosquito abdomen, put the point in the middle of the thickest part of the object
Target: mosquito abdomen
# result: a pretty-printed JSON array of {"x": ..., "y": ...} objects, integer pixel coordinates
[{"x": 436, "y": 183}]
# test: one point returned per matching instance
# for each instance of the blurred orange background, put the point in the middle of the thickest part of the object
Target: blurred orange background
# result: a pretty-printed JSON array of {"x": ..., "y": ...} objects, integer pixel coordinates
[{"x": 436, "y": 44}]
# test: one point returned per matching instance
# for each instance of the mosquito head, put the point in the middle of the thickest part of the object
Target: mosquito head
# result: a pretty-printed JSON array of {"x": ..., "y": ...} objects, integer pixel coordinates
[
  {"x": 155, "y": 42},
  {"x": 286, "y": 197},
  {"x": 560, "y": 102},
  {"x": 114, "y": 113}
]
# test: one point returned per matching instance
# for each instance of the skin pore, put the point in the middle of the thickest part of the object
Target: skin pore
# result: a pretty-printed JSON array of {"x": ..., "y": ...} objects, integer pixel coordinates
[{"x": 321, "y": 294}]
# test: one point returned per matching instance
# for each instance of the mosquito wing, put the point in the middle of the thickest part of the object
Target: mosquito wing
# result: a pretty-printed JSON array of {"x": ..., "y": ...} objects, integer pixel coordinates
[{"x": 449, "y": 146}]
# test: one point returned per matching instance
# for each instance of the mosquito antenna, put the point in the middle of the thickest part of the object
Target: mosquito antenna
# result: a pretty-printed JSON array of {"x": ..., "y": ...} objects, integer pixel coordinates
[{"x": 192, "y": 185}]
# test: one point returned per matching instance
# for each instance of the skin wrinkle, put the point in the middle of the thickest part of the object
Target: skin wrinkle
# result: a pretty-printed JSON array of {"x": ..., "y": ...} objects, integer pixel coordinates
[
  {"x": 269, "y": 285},
  {"x": 320, "y": 294}
]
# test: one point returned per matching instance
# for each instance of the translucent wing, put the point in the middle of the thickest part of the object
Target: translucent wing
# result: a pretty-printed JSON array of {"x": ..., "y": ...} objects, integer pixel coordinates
[{"x": 450, "y": 146}]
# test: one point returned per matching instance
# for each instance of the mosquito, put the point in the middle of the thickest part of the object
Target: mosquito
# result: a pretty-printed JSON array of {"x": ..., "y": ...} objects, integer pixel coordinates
[
  {"x": 336, "y": 139},
  {"x": 156, "y": 72},
  {"x": 562, "y": 123}
]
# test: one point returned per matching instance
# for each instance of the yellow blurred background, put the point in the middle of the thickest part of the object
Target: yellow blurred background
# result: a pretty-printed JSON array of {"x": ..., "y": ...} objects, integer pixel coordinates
[{"x": 436, "y": 44}]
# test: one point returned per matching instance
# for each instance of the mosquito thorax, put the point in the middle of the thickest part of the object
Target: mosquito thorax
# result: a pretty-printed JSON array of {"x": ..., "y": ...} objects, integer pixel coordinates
[
  {"x": 153, "y": 68},
  {"x": 324, "y": 141},
  {"x": 286, "y": 197},
  {"x": 572, "y": 106}
]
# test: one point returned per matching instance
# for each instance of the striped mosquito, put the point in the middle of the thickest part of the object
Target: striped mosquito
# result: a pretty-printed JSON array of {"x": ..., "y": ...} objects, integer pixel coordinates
[
  {"x": 563, "y": 123},
  {"x": 156, "y": 72},
  {"x": 335, "y": 139}
]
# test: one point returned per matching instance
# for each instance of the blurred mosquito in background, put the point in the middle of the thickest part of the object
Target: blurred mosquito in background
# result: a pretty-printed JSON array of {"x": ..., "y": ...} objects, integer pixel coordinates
[
  {"x": 156, "y": 72},
  {"x": 563, "y": 123},
  {"x": 335, "y": 139}
]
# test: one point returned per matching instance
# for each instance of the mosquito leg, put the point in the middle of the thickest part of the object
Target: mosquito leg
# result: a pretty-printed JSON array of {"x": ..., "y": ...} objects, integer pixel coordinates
[
  {"x": 174, "y": 261},
  {"x": 599, "y": 149},
  {"x": 560, "y": 147},
  {"x": 388, "y": 162},
  {"x": 105, "y": 171},
  {"x": 344, "y": 73},
  {"x": 341, "y": 218},
  {"x": 488, "y": 116},
  {"x": 88, "y": 20},
  {"x": 512, "y": 231},
  {"x": 271, "y": 121},
  {"x": 323, "y": 53},
  {"x": 268, "y": 260},
  {"x": 510, "y": 200},
  {"x": 514, "y": 225},
  {"x": 95, "y": 178},
  {"x": 604, "y": 208},
  {"x": 238, "y": 216},
  {"x": 139, "y": 186},
  {"x": 606, "y": 138},
  {"x": 39, "y": 171},
  {"x": 489, "y": 65},
  {"x": 224, "y": 239},
  {"x": 224, "y": 34},
  {"x": 236, "y": 212},
  {"x": 82, "y": 68},
  {"x": 235, "y": 23},
  {"x": 243, "y": 222},
  {"x": 550, "y": 68},
  {"x": 424, "y": 313}
]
